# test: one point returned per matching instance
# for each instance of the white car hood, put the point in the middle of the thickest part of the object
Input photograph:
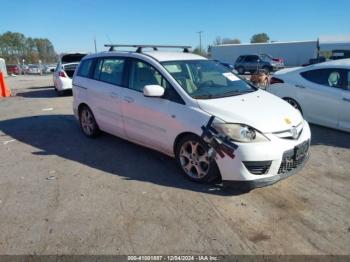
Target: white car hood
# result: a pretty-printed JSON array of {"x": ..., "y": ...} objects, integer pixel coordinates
[{"x": 265, "y": 112}]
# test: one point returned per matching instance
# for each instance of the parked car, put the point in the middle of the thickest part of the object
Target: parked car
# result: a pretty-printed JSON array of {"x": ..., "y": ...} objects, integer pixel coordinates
[
  {"x": 24, "y": 69},
  {"x": 252, "y": 63},
  {"x": 34, "y": 69},
  {"x": 49, "y": 68},
  {"x": 166, "y": 100},
  {"x": 13, "y": 69},
  {"x": 340, "y": 54},
  {"x": 62, "y": 77},
  {"x": 317, "y": 60},
  {"x": 278, "y": 60},
  {"x": 321, "y": 92}
]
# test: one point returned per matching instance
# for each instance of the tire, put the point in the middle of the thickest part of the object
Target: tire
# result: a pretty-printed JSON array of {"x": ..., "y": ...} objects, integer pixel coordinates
[
  {"x": 192, "y": 157},
  {"x": 88, "y": 123},
  {"x": 293, "y": 103},
  {"x": 59, "y": 93},
  {"x": 241, "y": 70}
]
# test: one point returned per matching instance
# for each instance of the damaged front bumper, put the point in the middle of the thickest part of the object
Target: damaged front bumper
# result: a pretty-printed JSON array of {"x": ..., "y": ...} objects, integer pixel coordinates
[{"x": 262, "y": 164}]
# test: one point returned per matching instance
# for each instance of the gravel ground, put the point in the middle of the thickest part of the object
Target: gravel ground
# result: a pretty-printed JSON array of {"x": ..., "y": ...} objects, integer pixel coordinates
[{"x": 62, "y": 193}]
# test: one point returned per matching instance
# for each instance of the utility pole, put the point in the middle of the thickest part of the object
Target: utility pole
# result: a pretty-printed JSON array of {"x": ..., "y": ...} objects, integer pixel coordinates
[{"x": 200, "y": 40}]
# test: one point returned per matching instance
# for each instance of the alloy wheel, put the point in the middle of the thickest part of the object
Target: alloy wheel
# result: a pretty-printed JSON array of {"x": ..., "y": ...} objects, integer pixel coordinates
[
  {"x": 87, "y": 122},
  {"x": 194, "y": 159}
]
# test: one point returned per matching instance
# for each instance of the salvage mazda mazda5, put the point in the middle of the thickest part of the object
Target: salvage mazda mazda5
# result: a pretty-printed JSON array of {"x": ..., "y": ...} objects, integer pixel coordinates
[{"x": 216, "y": 125}]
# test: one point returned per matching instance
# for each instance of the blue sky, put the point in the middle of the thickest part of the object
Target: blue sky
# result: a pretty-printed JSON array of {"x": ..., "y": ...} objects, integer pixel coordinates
[{"x": 72, "y": 25}]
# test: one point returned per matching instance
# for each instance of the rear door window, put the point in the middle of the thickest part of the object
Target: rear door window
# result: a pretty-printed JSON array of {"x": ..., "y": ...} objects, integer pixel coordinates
[{"x": 110, "y": 70}]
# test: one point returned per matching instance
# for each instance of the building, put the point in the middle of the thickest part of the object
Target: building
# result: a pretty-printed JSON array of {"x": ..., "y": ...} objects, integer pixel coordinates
[{"x": 295, "y": 53}]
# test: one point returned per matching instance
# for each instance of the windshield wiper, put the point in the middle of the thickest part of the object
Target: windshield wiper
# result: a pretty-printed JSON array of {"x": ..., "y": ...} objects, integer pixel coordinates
[
  {"x": 236, "y": 93},
  {"x": 207, "y": 96}
]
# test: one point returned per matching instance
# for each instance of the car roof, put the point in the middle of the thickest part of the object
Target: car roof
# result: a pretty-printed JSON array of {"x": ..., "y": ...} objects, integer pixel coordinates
[
  {"x": 160, "y": 56},
  {"x": 171, "y": 56},
  {"x": 339, "y": 62}
]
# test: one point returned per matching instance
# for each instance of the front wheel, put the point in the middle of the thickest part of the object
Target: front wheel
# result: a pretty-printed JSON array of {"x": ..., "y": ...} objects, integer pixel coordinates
[
  {"x": 241, "y": 70},
  {"x": 192, "y": 157}
]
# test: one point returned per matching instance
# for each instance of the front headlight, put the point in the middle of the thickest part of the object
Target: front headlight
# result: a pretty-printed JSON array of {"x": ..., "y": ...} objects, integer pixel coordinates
[{"x": 240, "y": 133}]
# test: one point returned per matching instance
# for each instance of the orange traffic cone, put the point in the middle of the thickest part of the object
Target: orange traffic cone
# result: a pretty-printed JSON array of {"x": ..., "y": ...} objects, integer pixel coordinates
[{"x": 4, "y": 90}]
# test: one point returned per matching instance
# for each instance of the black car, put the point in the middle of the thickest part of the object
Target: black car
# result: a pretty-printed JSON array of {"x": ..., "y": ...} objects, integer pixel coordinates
[{"x": 253, "y": 63}]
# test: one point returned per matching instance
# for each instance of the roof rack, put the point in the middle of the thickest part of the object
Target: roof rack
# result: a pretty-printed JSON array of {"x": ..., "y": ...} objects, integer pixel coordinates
[{"x": 154, "y": 47}]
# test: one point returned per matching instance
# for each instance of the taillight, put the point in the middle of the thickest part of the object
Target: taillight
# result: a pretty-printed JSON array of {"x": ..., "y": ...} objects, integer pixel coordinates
[
  {"x": 275, "y": 80},
  {"x": 62, "y": 74}
]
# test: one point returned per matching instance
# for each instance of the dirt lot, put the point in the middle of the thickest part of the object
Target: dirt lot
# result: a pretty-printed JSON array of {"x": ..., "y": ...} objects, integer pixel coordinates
[{"x": 62, "y": 193}]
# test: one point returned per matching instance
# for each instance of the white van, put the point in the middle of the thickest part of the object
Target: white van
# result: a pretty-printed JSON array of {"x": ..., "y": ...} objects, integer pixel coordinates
[{"x": 216, "y": 125}]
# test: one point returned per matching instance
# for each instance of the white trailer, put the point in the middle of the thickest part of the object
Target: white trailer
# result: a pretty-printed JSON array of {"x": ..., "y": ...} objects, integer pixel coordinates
[
  {"x": 3, "y": 66},
  {"x": 293, "y": 53}
]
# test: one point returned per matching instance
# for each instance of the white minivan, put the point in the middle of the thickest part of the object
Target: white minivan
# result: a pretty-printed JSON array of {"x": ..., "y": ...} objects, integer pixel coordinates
[{"x": 216, "y": 125}]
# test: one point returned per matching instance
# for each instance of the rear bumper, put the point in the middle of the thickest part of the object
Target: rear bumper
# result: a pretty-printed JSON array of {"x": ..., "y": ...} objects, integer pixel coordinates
[
  {"x": 63, "y": 83},
  {"x": 262, "y": 182}
]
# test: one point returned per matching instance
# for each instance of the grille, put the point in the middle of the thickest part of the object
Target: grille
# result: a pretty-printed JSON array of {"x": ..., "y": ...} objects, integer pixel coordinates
[
  {"x": 287, "y": 134},
  {"x": 258, "y": 167},
  {"x": 293, "y": 158}
]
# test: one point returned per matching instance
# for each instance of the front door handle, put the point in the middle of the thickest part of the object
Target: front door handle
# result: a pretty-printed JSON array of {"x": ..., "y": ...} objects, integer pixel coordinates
[
  {"x": 346, "y": 99},
  {"x": 128, "y": 99},
  {"x": 300, "y": 86},
  {"x": 114, "y": 95}
]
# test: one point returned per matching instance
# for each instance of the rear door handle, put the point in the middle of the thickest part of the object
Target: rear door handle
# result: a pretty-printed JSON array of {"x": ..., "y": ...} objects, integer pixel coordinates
[
  {"x": 346, "y": 99},
  {"x": 128, "y": 99},
  {"x": 114, "y": 95},
  {"x": 300, "y": 86}
]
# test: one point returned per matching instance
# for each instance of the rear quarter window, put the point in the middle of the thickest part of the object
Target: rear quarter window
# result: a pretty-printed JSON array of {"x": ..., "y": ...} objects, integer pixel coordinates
[{"x": 85, "y": 68}]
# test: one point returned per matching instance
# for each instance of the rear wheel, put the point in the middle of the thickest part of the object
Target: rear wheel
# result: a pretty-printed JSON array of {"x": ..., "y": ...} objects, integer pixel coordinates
[
  {"x": 58, "y": 93},
  {"x": 192, "y": 157},
  {"x": 293, "y": 103},
  {"x": 88, "y": 123}
]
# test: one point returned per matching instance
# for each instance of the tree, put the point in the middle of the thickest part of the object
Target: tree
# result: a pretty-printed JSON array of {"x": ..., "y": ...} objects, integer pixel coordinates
[
  {"x": 197, "y": 51},
  {"x": 225, "y": 41},
  {"x": 260, "y": 38},
  {"x": 217, "y": 41},
  {"x": 15, "y": 46}
]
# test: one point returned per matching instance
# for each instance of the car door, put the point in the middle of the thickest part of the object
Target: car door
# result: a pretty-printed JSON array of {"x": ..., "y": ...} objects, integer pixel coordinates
[
  {"x": 344, "y": 112},
  {"x": 105, "y": 92},
  {"x": 321, "y": 91},
  {"x": 251, "y": 62},
  {"x": 151, "y": 121}
]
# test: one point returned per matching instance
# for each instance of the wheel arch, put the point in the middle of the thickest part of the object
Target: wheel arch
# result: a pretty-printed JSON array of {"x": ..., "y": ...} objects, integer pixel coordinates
[
  {"x": 296, "y": 101},
  {"x": 179, "y": 138}
]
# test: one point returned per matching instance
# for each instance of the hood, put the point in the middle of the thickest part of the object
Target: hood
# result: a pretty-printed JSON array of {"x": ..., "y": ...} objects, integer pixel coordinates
[
  {"x": 287, "y": 70},
  {"x": 265, "y": 112},
  {"x": 72, "y": 58}
]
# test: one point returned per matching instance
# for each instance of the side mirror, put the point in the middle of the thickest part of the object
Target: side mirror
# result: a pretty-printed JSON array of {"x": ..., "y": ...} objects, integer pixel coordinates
[{"x": 153, "y": 91}]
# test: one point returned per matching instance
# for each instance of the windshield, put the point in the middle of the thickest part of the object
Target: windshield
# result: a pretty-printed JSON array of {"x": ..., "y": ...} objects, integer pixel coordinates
[{"x": 205, "y": 79}]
